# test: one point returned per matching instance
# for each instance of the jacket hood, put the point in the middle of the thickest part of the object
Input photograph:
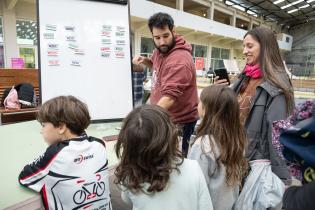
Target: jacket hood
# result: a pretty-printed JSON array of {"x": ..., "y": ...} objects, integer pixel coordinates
[{"x": 180, "y": 43}]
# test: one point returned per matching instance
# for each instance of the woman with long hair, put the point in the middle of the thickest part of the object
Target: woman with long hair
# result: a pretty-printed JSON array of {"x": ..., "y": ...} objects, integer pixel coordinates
[{"x": 265, "y": 95}]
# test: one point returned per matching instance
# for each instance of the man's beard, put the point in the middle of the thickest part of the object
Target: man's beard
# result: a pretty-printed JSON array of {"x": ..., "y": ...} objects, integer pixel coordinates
[{"x": 164, "y": 49}]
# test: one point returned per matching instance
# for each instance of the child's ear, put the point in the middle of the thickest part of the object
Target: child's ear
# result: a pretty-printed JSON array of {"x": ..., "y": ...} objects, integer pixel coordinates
[{"x": 62, "y": 128}]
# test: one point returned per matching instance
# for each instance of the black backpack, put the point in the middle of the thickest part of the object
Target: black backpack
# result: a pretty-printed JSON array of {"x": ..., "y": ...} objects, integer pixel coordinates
[{"x": 25, "y": 93}]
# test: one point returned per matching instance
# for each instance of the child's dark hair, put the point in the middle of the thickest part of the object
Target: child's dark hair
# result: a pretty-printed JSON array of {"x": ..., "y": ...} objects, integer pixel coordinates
[
  {"x": 160, "y": 20},
  {"x": 147, "y": 146},
  {"x": 68, "y": 110},
  {"x": 222, "y": 121}
]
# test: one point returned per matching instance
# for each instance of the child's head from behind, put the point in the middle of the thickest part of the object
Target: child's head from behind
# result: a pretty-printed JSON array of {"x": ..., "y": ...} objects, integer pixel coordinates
[
  {"x": 220, "y": 102},
  {"x": 148, "y": 147},
  {"x": 221, "y": 119},
  {"x": 63, "y": 117}
]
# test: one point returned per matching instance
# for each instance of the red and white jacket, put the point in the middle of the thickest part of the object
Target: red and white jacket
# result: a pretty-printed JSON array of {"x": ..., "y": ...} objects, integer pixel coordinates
[{"x": 71, "y": 174}]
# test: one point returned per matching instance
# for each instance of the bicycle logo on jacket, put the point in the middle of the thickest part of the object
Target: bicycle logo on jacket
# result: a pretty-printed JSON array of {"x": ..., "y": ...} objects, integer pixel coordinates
[{"x": 89, "y": 190}]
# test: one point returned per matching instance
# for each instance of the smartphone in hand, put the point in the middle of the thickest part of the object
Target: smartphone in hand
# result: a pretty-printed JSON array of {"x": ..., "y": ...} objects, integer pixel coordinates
[{"x": 222, "y": 74}]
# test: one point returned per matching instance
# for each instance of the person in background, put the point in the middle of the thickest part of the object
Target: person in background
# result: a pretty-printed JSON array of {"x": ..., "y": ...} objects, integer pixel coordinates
[
  {"x": 138, "y": 76},
  {"x": 74, "y": 168},
  {"x": 174, "y": 85},
  {"x": 220, "y": 145},
  {"x": 265, "y": 95},
  {"x": 152, "y": 171}
]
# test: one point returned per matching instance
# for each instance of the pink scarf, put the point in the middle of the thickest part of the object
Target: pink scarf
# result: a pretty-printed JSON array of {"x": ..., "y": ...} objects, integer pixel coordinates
[{"x": 253, "y": 71}]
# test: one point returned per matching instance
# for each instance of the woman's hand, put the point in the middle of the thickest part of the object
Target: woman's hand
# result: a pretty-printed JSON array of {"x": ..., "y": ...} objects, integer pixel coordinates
[{"x": 220, "y": 82}]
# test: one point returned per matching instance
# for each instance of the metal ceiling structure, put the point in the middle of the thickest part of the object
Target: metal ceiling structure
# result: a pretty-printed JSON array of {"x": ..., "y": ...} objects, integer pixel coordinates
[{"x": 288, "y": 13}]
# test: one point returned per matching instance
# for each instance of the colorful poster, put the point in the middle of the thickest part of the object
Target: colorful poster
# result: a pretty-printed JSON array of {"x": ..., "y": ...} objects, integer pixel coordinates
[
  {"x": 199, "y": 63},
  {"x": 17, "y": 63}
]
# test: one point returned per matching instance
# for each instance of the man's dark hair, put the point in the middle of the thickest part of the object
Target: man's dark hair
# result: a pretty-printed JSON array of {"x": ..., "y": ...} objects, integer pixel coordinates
[{"x": 160, "y": 20}]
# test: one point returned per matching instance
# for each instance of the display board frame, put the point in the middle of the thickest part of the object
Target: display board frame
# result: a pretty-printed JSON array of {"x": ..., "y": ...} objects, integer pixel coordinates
[{"x": 120, "y": 91}]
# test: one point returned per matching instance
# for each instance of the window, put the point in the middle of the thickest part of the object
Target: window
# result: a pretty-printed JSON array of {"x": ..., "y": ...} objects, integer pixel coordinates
[
  {"x": 1, "y": 45},
  {"x": 28, "y": 55},
  {"x": 199, "y": 51},
  {"x": 215, "y": 52},
  {"x": 26, "y": 32},
  {"x": 27, "y": 41},
  {"x": 287, "y": 39},
  {"x": 225, "y": 54},
  {"x": 217, "y": 56},
  {"x": 147, "y": 46}
]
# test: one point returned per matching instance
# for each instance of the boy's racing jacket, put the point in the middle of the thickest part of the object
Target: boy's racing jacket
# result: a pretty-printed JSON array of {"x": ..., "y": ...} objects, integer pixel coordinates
[{"x": 71, "y": 174}]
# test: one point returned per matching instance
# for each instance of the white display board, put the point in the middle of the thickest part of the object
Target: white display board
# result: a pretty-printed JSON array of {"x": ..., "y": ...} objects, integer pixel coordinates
[{"x": 85, "y": 51}]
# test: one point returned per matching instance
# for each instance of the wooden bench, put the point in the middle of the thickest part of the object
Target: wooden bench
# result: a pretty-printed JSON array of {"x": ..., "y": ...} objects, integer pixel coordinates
[{"x": 9, "y": 78}]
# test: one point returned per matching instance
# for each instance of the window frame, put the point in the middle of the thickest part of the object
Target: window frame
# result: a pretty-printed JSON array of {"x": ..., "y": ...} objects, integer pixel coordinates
[{"x": 2, "y": 43}]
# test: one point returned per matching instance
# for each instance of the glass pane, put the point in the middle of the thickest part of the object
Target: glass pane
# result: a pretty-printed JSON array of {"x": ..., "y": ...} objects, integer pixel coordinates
[
  {"x": 147, "y": 45},
  {"x": 212, "y": 64},
  {"x": 26, "y": 32},
  {"x": 1, "y": 31},
  {"x": 1, "y": 45},
  {"x": 225, "y": 54},
  {"x": 146, "y": 54},
  {"x": 28, "y": 54},
  {"x": 193, "y": 50},
  {"x": 201, "y": 51},
  {"x": 216, "y": 63},
  {"x": 215, "y": 52},
  {"x": 1, "y": 57}
]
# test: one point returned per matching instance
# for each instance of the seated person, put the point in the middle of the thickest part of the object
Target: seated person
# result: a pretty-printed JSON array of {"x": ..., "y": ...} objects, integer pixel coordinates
[{"x": 73, "y": 172}]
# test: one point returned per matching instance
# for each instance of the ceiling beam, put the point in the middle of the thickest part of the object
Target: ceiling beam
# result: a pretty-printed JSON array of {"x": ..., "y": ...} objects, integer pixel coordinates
[
  {"x": 202, "y": 2},
  {"x": 140, "y": 25},
  {"x": 189, "y": 33},
  {"x": 229, "y": 41},
  {"x": 204, "y": 36},
  {"x": 10, "y": 4},
  {"x": 217, "y": 40}
]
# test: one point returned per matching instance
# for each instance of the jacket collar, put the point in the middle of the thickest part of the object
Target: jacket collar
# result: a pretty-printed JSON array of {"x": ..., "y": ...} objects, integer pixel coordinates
[{"x": 271, "y": 89}]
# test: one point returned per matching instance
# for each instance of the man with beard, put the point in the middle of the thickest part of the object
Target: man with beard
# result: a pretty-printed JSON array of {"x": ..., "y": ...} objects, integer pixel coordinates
[{"x": 173, "y": 75}]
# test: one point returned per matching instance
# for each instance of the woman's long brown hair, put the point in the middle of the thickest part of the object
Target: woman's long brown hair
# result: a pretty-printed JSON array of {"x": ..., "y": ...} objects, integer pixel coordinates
[
  {"x": 147, "y": 146},
  {"x": 271, "y": 63},
  {"x": 222, "y": 121}
]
